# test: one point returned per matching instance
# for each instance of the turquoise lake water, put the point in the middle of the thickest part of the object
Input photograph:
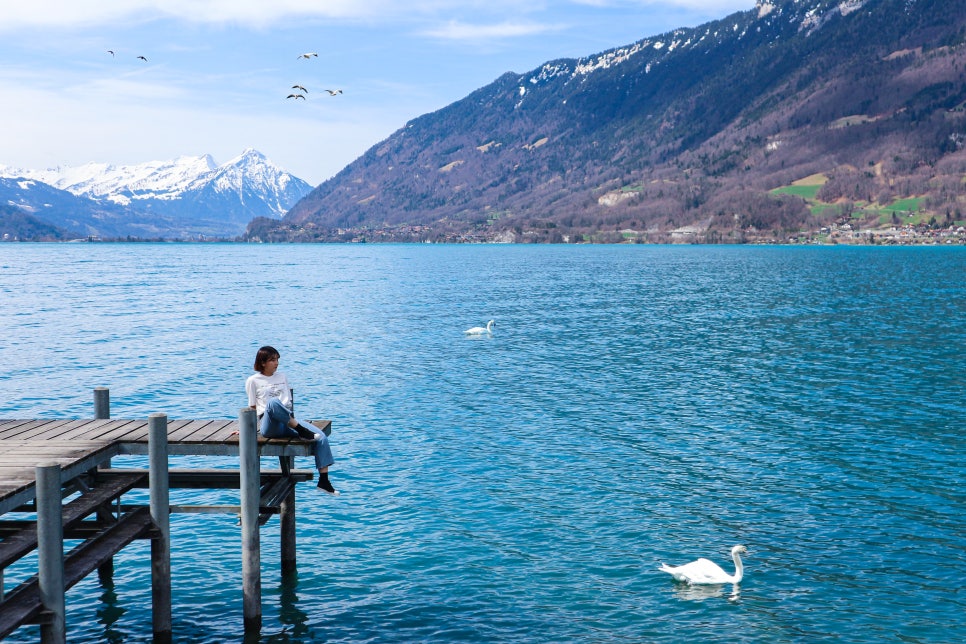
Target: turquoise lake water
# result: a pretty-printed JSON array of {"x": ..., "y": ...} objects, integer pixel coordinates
[{"x": 634, "y": 405}]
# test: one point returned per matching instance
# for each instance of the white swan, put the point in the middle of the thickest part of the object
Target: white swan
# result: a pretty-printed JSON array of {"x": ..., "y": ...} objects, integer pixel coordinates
[
  {"x": 479, "y": 330},
  {"x": 703, "y": 571}
]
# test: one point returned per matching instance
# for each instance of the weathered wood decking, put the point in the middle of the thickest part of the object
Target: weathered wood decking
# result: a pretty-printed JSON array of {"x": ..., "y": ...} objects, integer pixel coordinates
[
  {"x": 79, "y": 445},
  {"x": 79, "y": 454}
]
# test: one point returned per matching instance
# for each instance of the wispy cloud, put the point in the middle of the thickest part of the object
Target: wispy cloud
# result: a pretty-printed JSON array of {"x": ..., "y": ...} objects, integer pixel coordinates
[
  {"x": 702, "y": 5},
  {"x": 71, "y": 14},
  {"x": 257, "y": 13},
  {"x": 250, "y": 13},
  {"x": 455, "y": 30}
]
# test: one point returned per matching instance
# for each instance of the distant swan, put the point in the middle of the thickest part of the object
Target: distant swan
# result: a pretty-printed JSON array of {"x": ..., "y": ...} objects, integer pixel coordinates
[
  {"x": 479, "y": 330},
  {"x": 703, "y": 571}
]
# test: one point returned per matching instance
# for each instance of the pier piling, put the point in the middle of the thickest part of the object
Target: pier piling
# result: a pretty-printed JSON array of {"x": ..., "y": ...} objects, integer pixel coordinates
[
  {"x": 249, "y": 482},
  {"x": 102, "y": 403},
  {"x": 287, "y": 532},
  {"x": 102, "y": 411},
  {"x": 160, "y": 514},
  {"x": 50, "y": 554},
  {"x": 74, "y": 491}
]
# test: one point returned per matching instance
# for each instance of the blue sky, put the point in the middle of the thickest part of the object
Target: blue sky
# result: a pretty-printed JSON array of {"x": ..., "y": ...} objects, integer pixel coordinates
[{"x": 218, "y": 71}]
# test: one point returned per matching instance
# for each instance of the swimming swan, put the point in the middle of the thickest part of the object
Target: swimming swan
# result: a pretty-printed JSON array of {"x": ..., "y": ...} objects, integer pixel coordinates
[
  {"x": 478, "y": 330},
  {"x": 703, "y": 571}
]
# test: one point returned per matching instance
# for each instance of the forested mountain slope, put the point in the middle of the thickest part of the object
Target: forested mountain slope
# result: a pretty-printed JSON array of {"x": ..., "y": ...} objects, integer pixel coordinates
[{"x": 686, "y": 133}]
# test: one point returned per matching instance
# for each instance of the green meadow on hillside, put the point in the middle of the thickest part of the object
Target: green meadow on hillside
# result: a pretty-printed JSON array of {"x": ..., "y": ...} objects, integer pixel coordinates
[{"x": 905, "y": 211}]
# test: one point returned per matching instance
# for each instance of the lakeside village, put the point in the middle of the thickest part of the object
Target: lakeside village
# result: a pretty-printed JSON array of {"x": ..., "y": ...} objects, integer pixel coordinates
[
  {"x": 837, "y": 233},
  {"x": 844, "y": 233}
]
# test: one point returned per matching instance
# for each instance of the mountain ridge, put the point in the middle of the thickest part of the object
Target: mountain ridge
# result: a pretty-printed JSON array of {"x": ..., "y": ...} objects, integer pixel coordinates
[
  {"x": 184, "y": 198},
  {"x": 685, "y": 130}
]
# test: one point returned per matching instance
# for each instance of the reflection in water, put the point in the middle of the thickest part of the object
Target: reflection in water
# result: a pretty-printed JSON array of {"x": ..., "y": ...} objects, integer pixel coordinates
[
  {"x": 702, "y": 592},
  {"x": 289, "y": 612},
  {"x": 109, "y": 612},
  {"x": 295, "y": 620}
]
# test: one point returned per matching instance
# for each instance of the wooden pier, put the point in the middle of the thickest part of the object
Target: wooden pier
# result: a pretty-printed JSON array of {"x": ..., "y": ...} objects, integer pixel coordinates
[{"x": 43, "y": 462}]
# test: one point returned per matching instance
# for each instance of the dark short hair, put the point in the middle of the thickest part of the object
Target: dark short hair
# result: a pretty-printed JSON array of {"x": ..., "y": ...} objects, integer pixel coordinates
[{"x": 264, "y": 354}]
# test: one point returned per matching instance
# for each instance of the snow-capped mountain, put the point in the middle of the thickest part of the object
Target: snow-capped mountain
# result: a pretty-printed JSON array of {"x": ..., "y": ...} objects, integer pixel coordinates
[
  {"x": 198, "y": 195},
  {"x": 125, "y": 183}
]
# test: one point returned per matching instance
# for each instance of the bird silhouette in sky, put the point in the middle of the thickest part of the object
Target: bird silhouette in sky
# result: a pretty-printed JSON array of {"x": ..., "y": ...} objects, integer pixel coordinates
[
  {"x": 143, "y": 58},
  {"x": 299, "y": 87},
  {"x": 296, "y": 96},
  {"x": 111, "y": 52},
  {"x": 308, "y": 55},
  {"x": 333, "y": 92}
]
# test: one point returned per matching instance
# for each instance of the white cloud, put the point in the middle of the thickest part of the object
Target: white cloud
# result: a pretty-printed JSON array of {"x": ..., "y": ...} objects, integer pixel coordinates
[
  {"x": 252, "y": 13},
  {"x": 75, "y": 14},
  {"x": 127, "y": 121},
  {"x": 455, "y": 30},
  {"x": 710, "y": 6},
  {"x": 259, "y": 13},
  {"x": 69, "y": 102}
]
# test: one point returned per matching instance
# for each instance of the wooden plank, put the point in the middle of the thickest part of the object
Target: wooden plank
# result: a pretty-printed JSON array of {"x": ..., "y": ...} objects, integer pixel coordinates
[
  {"x": 31, "y": 429},
  {"x": 80, "y": 530},
  {"x": 90, "y": 555},
  {"x": 23, "y": 605},
  {"x": 12, "y": 448},
  {"x": 118, "y": 430},
  {"x": 211, "y": 478},
  {"x": 324, "y": 425},
  {"x": 86, "y": 430},
  {"x": 16, "y": 546},
  {"x": 90, "y": 429},
  {"x": 219, "y": 431},
  {"x": 52, "y": 430},
  {"x": 193, "y": 431},
  {"x": 19, "y": 458},
  {"x": 10, "y": 426},
  {"x": 80, "y": 443},
  {"x": 275, "y": 493}
]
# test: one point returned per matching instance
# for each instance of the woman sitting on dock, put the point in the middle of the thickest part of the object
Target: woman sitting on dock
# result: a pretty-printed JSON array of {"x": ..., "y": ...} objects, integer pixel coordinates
[{"x": 271, "y": 397}]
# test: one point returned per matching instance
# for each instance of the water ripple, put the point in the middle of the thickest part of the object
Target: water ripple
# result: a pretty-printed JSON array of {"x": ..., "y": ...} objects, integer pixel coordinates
[{"x": 634, "y": 405}]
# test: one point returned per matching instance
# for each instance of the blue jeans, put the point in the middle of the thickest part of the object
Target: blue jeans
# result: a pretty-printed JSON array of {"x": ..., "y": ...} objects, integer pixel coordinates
[{"x": 274, "y": 424}]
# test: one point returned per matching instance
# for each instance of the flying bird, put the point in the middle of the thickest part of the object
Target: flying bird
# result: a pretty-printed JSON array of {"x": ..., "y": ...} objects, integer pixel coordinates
[
  {"x": 143, "y": 58},
  {"x": 110, "y": 51},
  {"x": 307, "y": 55},
  {"x": 296, "y": 96},
  {"x": 300, "y": 88},
  {"x": 333, "y": 92}
]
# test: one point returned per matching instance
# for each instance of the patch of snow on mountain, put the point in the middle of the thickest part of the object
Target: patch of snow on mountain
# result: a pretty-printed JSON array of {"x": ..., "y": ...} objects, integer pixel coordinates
[
  {"x": 122, "y": 184},
  {"x": 549, "y": 72},
  {"x": 848, "y": 6},
  {"x": 165, "y": 180},
  {"x": 611, "y": 58},
  {"x": 765, "y": 8}
]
